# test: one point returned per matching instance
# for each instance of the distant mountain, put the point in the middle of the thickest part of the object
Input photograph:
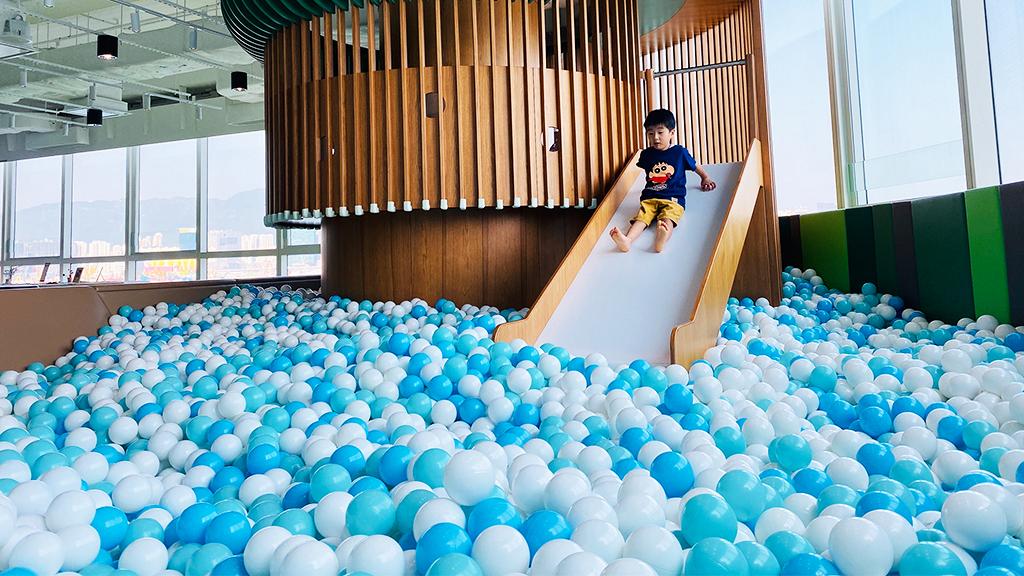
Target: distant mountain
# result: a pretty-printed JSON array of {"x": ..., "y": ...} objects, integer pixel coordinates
[{"x": 102, "y": 220}]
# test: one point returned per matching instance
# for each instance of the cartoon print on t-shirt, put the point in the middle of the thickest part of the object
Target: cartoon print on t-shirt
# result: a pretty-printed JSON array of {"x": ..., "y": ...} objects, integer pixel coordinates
[{"x": 659, "y": 175}]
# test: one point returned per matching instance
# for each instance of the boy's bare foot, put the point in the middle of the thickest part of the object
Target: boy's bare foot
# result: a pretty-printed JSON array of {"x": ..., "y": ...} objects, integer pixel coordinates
[
  {"x": 620, "y": 239},
  {"x": 663, "y": 233}
]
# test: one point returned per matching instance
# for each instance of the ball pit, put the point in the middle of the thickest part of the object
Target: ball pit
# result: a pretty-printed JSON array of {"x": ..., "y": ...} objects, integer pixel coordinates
[{"x": 270, "y": 432}]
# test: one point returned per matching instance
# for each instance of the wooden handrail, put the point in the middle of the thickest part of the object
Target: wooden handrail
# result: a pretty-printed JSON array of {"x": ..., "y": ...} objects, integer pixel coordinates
[
  {"x": 691, "y": 339},
  {"x": 530, "y": 328}
]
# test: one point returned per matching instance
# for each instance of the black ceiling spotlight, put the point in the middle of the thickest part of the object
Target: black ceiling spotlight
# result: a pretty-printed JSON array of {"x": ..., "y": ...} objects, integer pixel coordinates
[
  {"x": 106, "y": 47},
  {"x": 94, "y": 117},
  {"x": 239, "y": 81}
]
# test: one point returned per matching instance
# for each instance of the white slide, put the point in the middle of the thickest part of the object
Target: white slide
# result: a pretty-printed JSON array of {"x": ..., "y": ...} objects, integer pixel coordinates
[{"x": 626, "y": 305}]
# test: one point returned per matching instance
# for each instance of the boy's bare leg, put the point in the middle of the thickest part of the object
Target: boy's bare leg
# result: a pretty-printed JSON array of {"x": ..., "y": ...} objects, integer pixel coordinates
[
  {"x": 662, "y": 234},
  {"x": 624, "y": 241}
]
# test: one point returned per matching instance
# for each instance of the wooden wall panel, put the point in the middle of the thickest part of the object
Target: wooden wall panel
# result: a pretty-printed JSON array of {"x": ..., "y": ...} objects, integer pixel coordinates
[{"x": 498, "y": 257}]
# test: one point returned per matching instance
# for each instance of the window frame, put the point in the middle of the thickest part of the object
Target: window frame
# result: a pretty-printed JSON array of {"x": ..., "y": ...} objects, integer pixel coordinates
[{"x": 132, "y": 257}]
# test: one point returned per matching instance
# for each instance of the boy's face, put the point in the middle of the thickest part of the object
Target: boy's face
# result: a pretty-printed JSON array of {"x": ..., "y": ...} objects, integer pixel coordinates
[{"x": 660, "y": 137}]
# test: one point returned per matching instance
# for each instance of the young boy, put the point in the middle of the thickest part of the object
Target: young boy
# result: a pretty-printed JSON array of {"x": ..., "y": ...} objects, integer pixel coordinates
[{"x": 664, "y": 197}]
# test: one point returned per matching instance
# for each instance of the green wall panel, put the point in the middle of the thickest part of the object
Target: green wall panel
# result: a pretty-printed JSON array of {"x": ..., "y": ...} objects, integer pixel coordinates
[
  {"x": 789, "y": 236},
  {"x": 1011, "y": 204},
  {"x": 823, "y": 238},
  {"x": 906, "y": 256},
  {"x": 860, "y": 240},
  {"x": 988, "y": 254},
  {"x": 886, "y": 277},
  {"x": 943, "y": 257}
]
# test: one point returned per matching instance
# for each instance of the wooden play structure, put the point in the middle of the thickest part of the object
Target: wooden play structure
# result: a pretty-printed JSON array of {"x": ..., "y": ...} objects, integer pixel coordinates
[{"x": 476, "y": 150}]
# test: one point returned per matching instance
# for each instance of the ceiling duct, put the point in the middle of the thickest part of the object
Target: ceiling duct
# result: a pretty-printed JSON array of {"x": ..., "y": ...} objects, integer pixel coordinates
[
  {"x": 20, "y": 123},
  {"x": 70, "y": 136},
  {"x": 101, "y": 96}
]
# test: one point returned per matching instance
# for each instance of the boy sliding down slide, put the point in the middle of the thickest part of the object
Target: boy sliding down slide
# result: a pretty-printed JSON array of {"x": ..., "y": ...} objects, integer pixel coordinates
[{"x": 664, "y": 197}]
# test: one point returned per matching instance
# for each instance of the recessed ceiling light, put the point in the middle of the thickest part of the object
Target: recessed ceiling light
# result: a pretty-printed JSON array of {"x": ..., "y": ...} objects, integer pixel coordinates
[
  {"x": 106, "y": 47},
  {"x": 239, "y": 81},
  {"x": 94, "y": 117}
]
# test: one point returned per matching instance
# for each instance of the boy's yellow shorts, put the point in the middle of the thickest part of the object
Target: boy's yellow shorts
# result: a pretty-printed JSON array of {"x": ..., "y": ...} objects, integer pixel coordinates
[{"x": 656, "y": 209}]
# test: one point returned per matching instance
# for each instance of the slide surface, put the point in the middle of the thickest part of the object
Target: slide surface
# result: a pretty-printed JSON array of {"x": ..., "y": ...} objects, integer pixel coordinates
[{"x": 626, "y": 305}]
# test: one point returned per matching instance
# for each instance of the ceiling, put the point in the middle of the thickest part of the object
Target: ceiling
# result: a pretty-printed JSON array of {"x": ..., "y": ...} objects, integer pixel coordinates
[{"x": 172, "y": 54}]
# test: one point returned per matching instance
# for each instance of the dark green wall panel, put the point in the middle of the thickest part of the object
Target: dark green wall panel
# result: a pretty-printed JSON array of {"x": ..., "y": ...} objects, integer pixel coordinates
[
  {"x": 988, "y": 254},
  {"x": 943, "y": 257},
  {"x": 905, "y": 253},
  {"x": 886, "y": 276},
  {"x": 789, "y": 236},
  {"x": 1011, "y": 200},
  {"x": 823, "y": 238},
  {"x": 860, "y": 240}
]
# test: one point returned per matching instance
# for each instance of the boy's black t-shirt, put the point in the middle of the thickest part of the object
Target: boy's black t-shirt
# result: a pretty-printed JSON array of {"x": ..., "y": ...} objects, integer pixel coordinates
[{"x": 666, "y": 173}]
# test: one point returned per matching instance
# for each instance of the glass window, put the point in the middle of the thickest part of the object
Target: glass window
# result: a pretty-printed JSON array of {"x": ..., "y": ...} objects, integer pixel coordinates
[
  {"x": 167, "y": 196},
  {"x": 30, "y": 274},
  {"x": 166, "y": 270},
  {"x": 800, "y": 106},
  {"x": 304, "y": 265},
  {"x": 303, "y": 236},
  {"x": 236, "y": 196},
  {"x": 98, "y": 272},
  {"x": 910, "y": 124},
  {"x": 240, "y": 268},
  {"x": 98, "y": 203},
  {"x": 37, "y": 198},
  {"x": 1006, "y": 50}
]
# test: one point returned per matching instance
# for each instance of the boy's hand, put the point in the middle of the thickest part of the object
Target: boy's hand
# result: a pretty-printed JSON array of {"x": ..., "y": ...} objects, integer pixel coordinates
[{"x": 707, "y": 184}]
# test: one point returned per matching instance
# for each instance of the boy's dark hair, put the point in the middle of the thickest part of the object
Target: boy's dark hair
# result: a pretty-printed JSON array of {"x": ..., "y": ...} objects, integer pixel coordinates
[{"x": 660, "y": 117}]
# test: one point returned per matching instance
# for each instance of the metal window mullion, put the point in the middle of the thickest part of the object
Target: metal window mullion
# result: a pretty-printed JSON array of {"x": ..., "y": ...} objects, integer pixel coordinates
[
  {"x": 66, "y": 205},
  {"x": 202, "y": 195},
  {"x": 282, "y": 239},
  {"x": 131, "y": 214},
  {"x": 977, "y": 104},
  {"x": 7, "y": 211},
  {"x": 847, "y": 136}
]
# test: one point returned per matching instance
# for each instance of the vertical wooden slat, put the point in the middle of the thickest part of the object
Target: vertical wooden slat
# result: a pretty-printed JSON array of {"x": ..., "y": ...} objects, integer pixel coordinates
[
  {"x": 530, "y": 105},
  {"x": 460, "y": 112},
  {"x": 361, "y": 119},
  {"x": 515, "y": 159},
  {"x": 305, "y": 71},
  {"x": 588, "y": 100},
  {"x": 542, "y": 103},
  {"x": 440, "y": 83},
  {"x": 375, "y": 149},
  {"x": 345, "y": 166},
  {"x": 294, "y": 132},
  {"x": 403, "y": 82},
  {"x": 330, "y": 200},
  {"x": 620, "y": 107},
  {"x": 477, "y": 116},
  {"x": 390, "y": 151},
  {"x": 573, "y": 98},
  {"x": 564, "y": 128},
  {"x": 420, "y": 109},
  {"x": 499, "y": 159},
  {"x": 316, "y": 148}
]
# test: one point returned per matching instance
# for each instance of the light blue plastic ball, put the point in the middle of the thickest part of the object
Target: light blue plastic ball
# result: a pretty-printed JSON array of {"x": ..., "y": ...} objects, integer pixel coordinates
[
  {"x": 707, "y": 516},
  {"x": 439, "y": 540},
  {"x": 370, "y": 512},
  {"x": 715, "y": 556},
  {"x": 931, "y": 559}
]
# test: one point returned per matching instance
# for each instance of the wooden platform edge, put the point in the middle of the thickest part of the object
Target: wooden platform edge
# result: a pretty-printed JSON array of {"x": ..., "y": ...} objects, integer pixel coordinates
[
  {"x": 530, "y": 328},
  {"x": 691, "y": 339}
]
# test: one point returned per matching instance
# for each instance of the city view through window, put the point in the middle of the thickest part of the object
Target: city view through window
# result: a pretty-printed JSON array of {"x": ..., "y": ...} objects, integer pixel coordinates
[{"x": 185, "y": 210}]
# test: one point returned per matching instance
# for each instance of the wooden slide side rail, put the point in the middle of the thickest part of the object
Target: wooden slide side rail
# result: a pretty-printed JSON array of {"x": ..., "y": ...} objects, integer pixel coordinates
[
  {"x": 530, "y": 328},
  {"x": 691, "y": 339}
]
